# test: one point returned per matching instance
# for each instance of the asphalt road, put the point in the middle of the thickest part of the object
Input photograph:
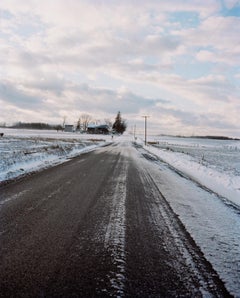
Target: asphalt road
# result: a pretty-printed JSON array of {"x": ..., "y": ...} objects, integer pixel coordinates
[{"x": 97, "y": 226}]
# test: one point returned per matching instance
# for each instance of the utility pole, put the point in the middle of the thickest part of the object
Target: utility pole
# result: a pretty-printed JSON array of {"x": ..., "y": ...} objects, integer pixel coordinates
[{"x": 145, "y": 120}]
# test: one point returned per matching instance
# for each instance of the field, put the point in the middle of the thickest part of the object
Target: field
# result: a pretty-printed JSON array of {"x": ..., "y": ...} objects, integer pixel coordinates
[
  {"x": 23, "y": 151},
  {"x": 215, "y": 164}
]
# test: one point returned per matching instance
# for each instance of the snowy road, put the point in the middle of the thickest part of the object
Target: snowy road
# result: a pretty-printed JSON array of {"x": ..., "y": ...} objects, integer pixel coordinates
[{"x": 110, "y": 223}]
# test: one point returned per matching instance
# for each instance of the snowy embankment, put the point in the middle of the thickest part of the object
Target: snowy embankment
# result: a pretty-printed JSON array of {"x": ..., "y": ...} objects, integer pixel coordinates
[
  {"x": 25, "y": 151},
  {"x": 213, "y": 164}
]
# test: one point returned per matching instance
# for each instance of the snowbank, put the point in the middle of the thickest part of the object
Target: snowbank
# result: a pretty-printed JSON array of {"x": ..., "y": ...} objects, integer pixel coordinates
[
  {"x": 25, "y": 151},
  {"x": 215, "y": 165}
]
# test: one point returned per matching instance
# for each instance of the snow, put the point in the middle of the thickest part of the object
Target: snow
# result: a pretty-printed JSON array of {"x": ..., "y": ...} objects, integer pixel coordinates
[
  {"x": 25, "y": 151},
  {"x": 213, "y": 225},
  {"x": 211, "y": 219},
  {"x": 114, "y": 240},
  {"x": 206, "y": 196},
  {"x": 215, "y": 164}
]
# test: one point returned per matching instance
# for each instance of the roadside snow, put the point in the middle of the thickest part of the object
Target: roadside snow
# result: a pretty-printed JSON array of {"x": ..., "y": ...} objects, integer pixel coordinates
[
  {"x": 213, "y": 164},
  {"x": 213, "y": 225},
  {"x": 25, "y": 151}
]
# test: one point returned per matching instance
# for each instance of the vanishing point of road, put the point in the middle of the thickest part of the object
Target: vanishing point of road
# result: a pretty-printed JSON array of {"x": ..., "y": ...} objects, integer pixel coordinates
[{"x": 98, "y": 226}]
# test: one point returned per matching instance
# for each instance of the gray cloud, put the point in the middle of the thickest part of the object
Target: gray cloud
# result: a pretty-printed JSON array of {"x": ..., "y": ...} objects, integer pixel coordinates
[
  {"x": 191, "y": 119},
  {"x": 47, "y": 83},
  {"x": 74, "y": 98},
  {"x": 110, "y": 101},
  {"x": 15, "y": 96}
]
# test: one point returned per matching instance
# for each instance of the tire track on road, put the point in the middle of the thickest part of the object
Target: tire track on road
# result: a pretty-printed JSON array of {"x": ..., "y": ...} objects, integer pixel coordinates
[{"x": 116, "y": 229}]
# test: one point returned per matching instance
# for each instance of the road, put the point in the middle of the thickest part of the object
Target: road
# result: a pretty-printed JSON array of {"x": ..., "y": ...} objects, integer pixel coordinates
[{"x": 98, "y": 226}]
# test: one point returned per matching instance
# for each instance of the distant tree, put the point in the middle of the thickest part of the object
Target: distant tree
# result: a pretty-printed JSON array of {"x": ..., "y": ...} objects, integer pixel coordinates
[
  {"x": 58, "y": 127},
  {"x": 78, "y": 127},
  {"x": 119, "y": 125},
  {"x": 85, "y": 119},
  {"x": 97, "y": 121},
  {"x": 33, "y": 125}
]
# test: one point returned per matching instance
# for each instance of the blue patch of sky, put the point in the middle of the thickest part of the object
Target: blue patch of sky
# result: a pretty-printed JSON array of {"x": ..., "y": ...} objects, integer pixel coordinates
[
  {"x": 26, "y": 31},
  {"x": 234, "y": 11},
  {"x": 30, "y": 28},
  {"x": 232, "y": 76},
  {"x": 189, "y": 68},
  {"x": 150, "y": 60},
  {"x": 4, "y": 14},
  {"x": 185, "y": 19}
]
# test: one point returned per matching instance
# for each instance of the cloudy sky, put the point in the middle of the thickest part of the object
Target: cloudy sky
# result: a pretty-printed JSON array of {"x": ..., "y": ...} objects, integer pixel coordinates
[{"x": 176, "y": 61}]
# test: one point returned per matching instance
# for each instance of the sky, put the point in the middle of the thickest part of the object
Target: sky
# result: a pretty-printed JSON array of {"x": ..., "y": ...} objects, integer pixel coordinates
[{"x": 177, "y": 62}]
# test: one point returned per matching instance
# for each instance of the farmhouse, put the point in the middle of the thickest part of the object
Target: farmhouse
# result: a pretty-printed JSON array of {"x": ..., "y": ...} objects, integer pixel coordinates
[{"x": 98, "y": 129}]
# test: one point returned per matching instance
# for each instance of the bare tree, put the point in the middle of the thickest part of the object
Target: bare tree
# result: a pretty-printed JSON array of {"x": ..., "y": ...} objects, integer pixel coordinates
[
  {"x": 85, "y": 119},
  {"x": 97, "y": 121},
  {"x": 108, "y": 122}
]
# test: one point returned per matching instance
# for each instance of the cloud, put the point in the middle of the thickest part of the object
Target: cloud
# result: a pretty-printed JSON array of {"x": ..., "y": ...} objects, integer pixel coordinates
[
  {"x": 210, "y": 89},
  {"x": 17, "y": 97},
  {"x": 74, "y": 98},
  {"x": 62, "y": 57},
  {"x": 231, "y": 3},
  {"x": 111, "y": 101},
  {"x": 218, "y": 39},
  {"x": 177, "y": 121}
]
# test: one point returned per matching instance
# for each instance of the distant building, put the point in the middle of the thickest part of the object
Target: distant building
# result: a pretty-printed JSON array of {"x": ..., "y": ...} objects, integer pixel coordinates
[
  {"x": 69, "y": 128},
  {"x": 98, "y": 129}
]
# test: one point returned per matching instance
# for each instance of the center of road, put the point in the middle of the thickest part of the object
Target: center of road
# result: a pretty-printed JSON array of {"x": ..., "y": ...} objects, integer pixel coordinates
[{"x": 116, "y": 229}]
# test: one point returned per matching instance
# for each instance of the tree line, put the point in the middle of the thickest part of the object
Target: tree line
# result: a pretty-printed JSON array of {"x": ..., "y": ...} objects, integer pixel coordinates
[
  {"x": 118, "y": 126},
  {"x": 34, "y": 125}
]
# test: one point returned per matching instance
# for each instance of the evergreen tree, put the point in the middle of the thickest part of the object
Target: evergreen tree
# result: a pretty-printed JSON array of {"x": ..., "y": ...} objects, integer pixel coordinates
[{"x": 119, "y": 125}]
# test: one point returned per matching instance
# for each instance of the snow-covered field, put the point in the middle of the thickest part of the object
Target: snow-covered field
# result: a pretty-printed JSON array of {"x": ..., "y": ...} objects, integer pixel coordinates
[
  {"x": 215, "y": 164},
  {"x": 24, "y": 151}
]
